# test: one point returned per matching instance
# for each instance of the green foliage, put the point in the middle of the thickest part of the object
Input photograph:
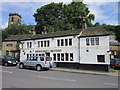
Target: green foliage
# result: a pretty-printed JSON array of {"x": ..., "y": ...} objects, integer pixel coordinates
[
  {"x": 58, "y": 16},
  {"x": 117, "y": 32},
  {"x": 16, "y": 30},
  {"x": 96, "y": 24}
]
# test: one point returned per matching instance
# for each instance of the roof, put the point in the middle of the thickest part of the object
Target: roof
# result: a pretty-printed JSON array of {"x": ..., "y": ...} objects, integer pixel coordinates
[
  {"x": 91, "y": 31},
  {"x": 114, "y": 44},
  {"x": 12, "y": 14}
]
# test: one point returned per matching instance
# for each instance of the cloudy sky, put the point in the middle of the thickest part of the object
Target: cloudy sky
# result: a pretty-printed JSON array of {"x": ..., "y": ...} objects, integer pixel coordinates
[{"x": 105, "y": 11}]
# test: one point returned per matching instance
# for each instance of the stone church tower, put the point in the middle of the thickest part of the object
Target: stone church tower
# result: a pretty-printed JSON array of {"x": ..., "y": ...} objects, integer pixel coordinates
[{"x": 14, "y": 18}]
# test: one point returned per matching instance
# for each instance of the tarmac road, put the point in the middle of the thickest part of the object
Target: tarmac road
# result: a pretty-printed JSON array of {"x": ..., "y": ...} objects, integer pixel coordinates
[{"x": 13, "y": 77}]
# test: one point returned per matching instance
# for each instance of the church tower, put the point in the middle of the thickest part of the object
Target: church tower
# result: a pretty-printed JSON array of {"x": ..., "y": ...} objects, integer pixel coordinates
[{"x": 14, "y": 18}]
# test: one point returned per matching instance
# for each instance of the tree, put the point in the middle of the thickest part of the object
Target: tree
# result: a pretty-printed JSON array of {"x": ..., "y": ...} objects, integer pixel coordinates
[
  {"x": 117, "y": 32},
  {"x": 59, "y": 16},
  {"x": 97, "y": 24},
  {"x": 16, "y": 30}
]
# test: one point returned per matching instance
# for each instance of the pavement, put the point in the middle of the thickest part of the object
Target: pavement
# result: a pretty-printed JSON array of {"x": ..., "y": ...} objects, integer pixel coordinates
[{"x": 86, "y": 71}]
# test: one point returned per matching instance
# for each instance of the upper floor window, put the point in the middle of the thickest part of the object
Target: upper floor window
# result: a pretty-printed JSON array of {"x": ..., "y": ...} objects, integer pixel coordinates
[
  {"x": 48, "y": 43},
  {"x": 41, "y": 43},
  {"x": 44, "y": 43},
  {"x": 92, "y": 41},
  {"x": 62, "y": 42},
  {"x": 58, "y": 42},
  {"x": 87, "y": 42},
  {"x": 97, "y": 41},
  {"x": 70, "y": 41},
  {"x": 38, "y": 43},
  {"x": 66, "y": 42},
  {"x": 29, "y": 44}
]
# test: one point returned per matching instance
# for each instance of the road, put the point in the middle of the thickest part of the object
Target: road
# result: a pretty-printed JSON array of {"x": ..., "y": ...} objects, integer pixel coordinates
[{"x": 13, "y": 77}]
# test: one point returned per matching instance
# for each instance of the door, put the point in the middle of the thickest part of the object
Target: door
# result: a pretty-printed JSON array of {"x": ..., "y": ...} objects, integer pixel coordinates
[{"x": 7, "y": 53}]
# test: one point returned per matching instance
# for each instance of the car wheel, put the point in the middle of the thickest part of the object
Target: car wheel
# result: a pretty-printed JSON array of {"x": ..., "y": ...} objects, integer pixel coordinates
[
  {"x": 6, "y": 64},
  {"x": 21, "y": 66},
  {"x": 38, "y": 68}
]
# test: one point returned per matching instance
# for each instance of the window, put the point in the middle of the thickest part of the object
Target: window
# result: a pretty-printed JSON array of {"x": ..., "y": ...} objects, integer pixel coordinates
[
  {"x": 87, "y": 42},
  {"x": 41, "y": 43},
  {"x": 48, "y": 43},
  {"x": 70, "y": 41},
  {"x": 27, "y": 56},
  {"x": 42, "y": 58},
  {"x": 97, "y": 41},
  {"x": 66, "y": 42},
  {"x": 92, "y": 41},
  {"x": 27, "y": 44},
  {"x": 12, "y": 19},
  {"x": 58, "y": 42},
  {"x": 66, "y": 57},
  {"x": 9, "y": 45},
  {"x": 62, "y": 42},
  {"x": 101, "y": 58},
  {"x": 45, "y": 44},
  {"x": 30, "y": 55},
  {"x": 38, "y": 43},
  {"x": 54, "y": 57},
  {"x": 71, "y": 56},
  {"x": 36, "y": 54},
  {"x": 58, "y": 57},
  {"x": 30, "y": 44},
  {"x": 42, "y": 55},
  {"x": 35, "y": 58},
  {"x": 62, "y": 57}
]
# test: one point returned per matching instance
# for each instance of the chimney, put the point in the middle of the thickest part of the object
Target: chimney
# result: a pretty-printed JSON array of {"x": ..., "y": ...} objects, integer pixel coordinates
[
  {"x": 84, "y": 25},
  {"x": 33, "y": 31}
]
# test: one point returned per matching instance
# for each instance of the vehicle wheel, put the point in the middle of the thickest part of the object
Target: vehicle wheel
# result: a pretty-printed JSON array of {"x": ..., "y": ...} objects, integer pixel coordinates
[
  {"x": 38, "y": 68},
  {"x": 6, "y": 64},
  {"x": 21, "y": 66}
]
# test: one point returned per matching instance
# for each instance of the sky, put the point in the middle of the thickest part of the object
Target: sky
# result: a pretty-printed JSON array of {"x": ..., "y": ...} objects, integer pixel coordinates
[{"x": 105, "y": 11}]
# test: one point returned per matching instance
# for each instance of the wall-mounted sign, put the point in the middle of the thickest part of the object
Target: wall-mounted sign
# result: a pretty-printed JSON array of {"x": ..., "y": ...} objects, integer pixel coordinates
[{"x": 56, "y": 50}]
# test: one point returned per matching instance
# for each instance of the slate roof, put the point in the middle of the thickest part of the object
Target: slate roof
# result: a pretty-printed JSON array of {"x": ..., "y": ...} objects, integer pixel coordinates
[
  {"x": 91, "y": 31},
  {"x": 114, "y": 44}
]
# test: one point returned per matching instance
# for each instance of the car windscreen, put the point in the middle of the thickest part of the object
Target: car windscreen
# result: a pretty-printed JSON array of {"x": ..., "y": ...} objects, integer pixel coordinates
[{"x": 8, "y": 57}]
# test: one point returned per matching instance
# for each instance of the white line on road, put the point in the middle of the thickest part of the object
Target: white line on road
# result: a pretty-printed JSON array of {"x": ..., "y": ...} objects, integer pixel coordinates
[
  {"x": 111, "y": 84},
  {"x": 5, "y": 71},
  {"x": 53, "y": 78}
]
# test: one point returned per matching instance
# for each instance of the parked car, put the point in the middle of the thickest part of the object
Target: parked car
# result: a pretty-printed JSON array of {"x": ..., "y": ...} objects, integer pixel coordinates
[
  {"x": 37, "y": 62},
  {"x": 115, "y": 63},
  {"x": 7, "y": 61}
]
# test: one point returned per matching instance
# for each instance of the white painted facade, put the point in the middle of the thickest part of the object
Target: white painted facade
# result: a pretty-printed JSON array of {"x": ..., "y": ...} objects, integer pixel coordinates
[{"x": 76, "y": 51}]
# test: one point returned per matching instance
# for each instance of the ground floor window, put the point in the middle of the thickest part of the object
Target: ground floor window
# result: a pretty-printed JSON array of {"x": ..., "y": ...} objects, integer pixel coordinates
[
  {"x": 63, "y": 56},
  {"x": 101, "y": 58},
  {"x": 58, "y": 56},
  {"x": 54, "y": 57},
  {"x": 71, "y": 56}
]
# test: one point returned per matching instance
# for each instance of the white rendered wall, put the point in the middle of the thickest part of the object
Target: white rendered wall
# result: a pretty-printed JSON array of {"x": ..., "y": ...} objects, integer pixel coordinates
[
  {"x": 91, "y": 56},
  {"x": 53, "y": 46}
]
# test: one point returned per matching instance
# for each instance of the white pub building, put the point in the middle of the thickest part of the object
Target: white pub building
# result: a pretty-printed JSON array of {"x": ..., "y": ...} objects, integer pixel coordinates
[{"x": 83, "y": 48}]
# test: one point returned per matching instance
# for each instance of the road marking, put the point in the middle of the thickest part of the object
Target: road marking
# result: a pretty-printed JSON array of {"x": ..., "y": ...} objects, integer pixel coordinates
[
  {"x": 5, "y": 71},
  {"x": 53, "y": 78},
  {"x": 111, "y": 84},
  {"x": 23, "y": 69}
]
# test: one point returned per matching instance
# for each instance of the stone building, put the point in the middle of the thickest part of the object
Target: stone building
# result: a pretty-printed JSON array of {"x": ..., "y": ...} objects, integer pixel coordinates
[{"x": 14, "y": 18}]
